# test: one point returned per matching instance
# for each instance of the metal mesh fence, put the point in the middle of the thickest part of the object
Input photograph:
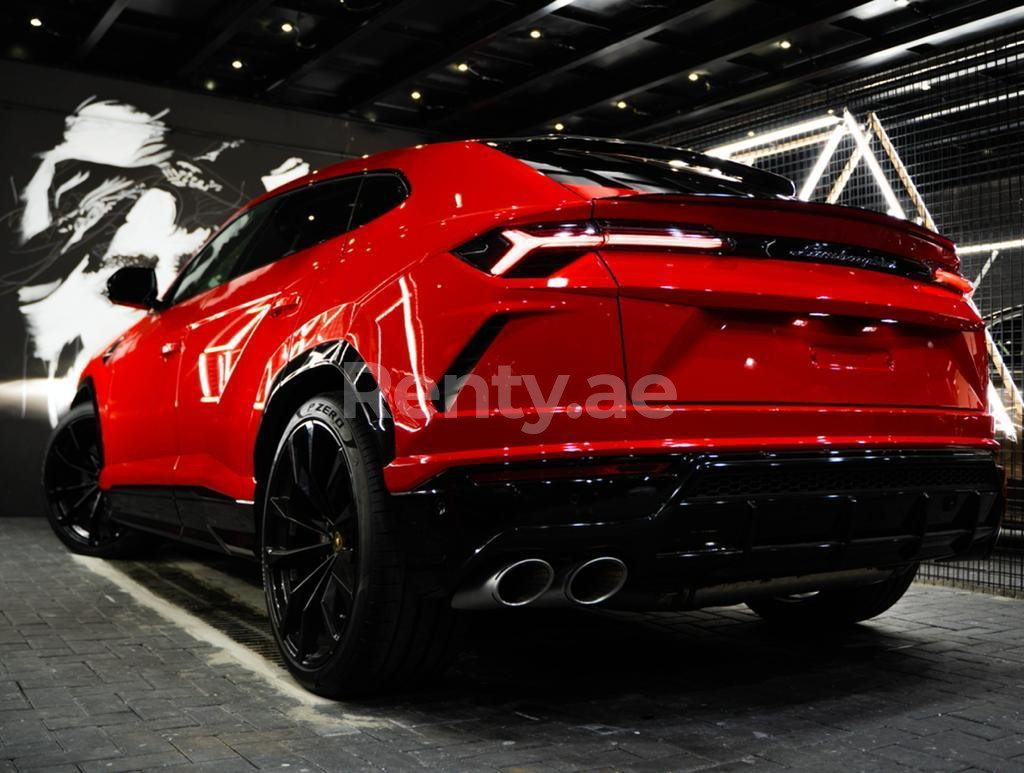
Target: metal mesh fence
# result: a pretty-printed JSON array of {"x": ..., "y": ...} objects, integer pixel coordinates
[{"x": 942, "y": 141}]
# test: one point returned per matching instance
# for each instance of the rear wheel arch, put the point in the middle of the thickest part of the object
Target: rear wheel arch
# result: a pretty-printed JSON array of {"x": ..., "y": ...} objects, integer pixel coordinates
[{"x": 334, "y": 366}]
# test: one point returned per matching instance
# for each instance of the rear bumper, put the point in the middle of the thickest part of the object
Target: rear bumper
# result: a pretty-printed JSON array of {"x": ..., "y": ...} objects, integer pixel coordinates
[
  {"x": 456, "y": 441},
  {"x": 687, "y": 522}
]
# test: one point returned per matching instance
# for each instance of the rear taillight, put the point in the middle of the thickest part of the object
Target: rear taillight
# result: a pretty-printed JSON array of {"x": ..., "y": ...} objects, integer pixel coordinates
[
  {"x": 953, "y": 280},
  {"x": 541, "y": 250},
  {"x": 538, "y": 250}
]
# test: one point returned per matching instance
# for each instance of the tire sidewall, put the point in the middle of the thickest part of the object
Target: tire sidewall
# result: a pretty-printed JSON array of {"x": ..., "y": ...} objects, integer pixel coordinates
[
  {"x": 126, "y": 542},
  {"x": 327, "y": 411}
]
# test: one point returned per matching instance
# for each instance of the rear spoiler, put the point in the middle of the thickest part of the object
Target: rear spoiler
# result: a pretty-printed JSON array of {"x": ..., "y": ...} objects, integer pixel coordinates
[{"x": 765, "y": 183}]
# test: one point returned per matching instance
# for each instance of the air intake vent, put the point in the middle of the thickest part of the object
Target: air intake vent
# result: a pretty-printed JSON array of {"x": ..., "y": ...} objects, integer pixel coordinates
[{"x": 448, "y": 386}]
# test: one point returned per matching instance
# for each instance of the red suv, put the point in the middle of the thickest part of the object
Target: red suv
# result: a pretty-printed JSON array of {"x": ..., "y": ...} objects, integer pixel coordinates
[{"x": 539, "y": 372}]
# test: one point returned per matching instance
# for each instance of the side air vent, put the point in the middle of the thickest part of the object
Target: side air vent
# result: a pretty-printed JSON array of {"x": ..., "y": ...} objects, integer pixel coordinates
[{"x": 447, "y": 387}]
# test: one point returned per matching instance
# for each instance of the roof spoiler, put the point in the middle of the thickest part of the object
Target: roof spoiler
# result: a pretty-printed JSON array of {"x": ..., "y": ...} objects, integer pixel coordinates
[{"x": 767, "y": 182}]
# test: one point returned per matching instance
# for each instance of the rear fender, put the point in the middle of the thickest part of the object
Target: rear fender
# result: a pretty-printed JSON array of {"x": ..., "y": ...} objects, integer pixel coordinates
[{"x": 329, "y": 366}]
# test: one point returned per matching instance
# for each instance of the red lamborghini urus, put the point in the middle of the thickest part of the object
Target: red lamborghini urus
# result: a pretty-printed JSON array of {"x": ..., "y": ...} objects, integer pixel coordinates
[{"x": 539, "y": 372}]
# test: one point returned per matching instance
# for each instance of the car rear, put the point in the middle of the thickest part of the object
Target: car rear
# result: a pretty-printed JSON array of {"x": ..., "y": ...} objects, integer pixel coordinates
[{"x": 805, "y": 385}]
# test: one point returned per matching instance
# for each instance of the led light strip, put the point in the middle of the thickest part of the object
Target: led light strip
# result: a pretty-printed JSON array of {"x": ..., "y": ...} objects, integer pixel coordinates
[
  {"x": 864, "y": 144},
  {"x": 973, "y": 248},
  {"x": 522, "y": 243},
  {"x": 804, "y": 127},
  {"x": 831, "y": 144},
  {"x": 680, "y": 240}
]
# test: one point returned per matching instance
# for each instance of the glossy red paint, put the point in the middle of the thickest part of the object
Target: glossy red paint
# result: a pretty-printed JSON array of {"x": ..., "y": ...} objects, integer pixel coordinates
[{"x": 764, "y": 353}]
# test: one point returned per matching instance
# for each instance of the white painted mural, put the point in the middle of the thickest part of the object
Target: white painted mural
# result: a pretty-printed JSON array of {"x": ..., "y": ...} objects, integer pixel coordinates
[{"x": 120, "y": 187}]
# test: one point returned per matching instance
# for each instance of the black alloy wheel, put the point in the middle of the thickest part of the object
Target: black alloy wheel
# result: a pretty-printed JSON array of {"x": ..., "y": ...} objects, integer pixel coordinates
[
  {"x": 310, "y": 544},
  {"x": 78, "y": 509},
  {"x": 348, "y": 610}
]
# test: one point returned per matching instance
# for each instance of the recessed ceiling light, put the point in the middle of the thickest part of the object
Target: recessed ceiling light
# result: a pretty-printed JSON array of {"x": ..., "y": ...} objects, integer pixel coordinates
[
  {"x": 462, "y": 67},
  {"x": 751, "y": 133},
  {"x": 785, "y": 44},
  {"x": 238, "y": 64},
  {"x": 210, "y": 85},
  {"x": 35, "y": 21},
  {"x": 622, "y": 104},
  {"x": 694, "y": 76},
  {"x": 415, "y": 95},
  {"x": 559, "y": 126},
  {"x": 536, "y": 34},
  {"x": 287, "y": 26}
]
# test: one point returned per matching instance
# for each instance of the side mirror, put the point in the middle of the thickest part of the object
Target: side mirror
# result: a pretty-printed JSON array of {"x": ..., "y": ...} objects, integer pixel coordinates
[{"x": 133, "y": 286}]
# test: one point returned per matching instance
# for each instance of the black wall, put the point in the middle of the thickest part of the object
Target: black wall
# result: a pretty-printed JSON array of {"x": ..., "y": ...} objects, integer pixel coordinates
[{"x": 99, "y": 173}]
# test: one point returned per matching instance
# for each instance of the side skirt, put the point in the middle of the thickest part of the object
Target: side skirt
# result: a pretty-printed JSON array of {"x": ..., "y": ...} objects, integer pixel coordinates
[{"x": 197, "y": 516}]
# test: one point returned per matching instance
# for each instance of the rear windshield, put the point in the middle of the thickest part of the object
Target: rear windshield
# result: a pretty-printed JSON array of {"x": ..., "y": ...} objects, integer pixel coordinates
[{"x": 607, "y": 168}]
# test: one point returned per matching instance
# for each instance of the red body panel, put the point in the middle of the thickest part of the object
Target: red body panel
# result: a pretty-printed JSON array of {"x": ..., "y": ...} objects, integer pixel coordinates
[{"x": 763, "y": 353}]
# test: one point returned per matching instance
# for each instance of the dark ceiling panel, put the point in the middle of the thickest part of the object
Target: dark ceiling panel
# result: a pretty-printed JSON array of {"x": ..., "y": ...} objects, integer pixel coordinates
[
  {"x": 619, "y": 67},
  {"x": 102, "y": 26},
  {"x": 407, "y": 73},
  {"x": 372, "y": 24},
  {"x": 762, "y": 28},
  {"x": 839, "y": 62},
  {"x": 227, "y": 24}
]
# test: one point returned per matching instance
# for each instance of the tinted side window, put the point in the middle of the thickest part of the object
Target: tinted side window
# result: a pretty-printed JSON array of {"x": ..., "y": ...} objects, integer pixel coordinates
[
  {"x": 217, "y": 261},
  {"x": 379, "y": 194},
  {"x": 303, "y": 219}
]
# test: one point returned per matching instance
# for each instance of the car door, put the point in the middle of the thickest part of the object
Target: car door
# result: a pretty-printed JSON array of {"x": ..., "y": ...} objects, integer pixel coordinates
[
  {"x": 141, "y": 438},
  {"x": 138, "y": 423},
  {"x": 234, "y": 331}
]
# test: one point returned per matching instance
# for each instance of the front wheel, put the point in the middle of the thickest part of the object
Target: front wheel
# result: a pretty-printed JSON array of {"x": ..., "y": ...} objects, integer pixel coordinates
[
  {"x": 77, "y": 508},
  {"x": 836, "y": 608},
  {"x": 348, "y": 614}
]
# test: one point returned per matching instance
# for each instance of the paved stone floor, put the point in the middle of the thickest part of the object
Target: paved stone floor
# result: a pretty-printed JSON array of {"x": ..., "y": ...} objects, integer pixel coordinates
[{"x": 90, "y": 680}]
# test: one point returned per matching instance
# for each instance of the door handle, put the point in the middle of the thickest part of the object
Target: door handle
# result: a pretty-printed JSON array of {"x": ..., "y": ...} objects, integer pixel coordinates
[
  {"x": 170, "y": 348},
  {"x": 285, "y": 304}
]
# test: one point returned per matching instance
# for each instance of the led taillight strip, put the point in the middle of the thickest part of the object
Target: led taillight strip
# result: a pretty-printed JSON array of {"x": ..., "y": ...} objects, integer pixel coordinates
[{"x": 523, "y": 243}]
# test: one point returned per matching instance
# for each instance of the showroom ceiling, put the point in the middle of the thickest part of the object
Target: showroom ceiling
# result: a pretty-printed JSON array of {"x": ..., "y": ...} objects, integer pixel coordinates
[{"x": 495, "y": 67}]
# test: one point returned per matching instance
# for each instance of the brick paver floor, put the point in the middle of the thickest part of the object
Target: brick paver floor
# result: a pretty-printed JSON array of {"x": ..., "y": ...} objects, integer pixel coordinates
[{"x": 90, "y": 680}]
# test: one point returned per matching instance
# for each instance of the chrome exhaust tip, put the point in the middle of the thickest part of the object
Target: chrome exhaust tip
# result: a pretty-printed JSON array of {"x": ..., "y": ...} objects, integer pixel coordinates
[
  {"x": 516, "y": 585},
  {"x": 595, "y": 580}
]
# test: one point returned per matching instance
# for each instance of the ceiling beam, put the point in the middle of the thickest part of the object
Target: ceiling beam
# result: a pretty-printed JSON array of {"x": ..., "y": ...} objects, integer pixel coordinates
[
  {"x": 649, "y": 24},
  {"x": 747, "y": 38},
  {"x": 228, "y": 23},
  {"x": 106, "y": 21},
  {"x": 986, "y": 14},
  {"x": 366, "y": 29},
  {"x": 415, "y": 68}
]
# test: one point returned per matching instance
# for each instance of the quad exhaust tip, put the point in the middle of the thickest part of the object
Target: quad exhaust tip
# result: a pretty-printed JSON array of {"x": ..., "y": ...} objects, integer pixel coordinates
[
  {"x": 595, "y": 580},
  {"x": 522, "y": 582},
  {"x": 516, "y": 585},
  {"x": 526, "y": 581}
]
